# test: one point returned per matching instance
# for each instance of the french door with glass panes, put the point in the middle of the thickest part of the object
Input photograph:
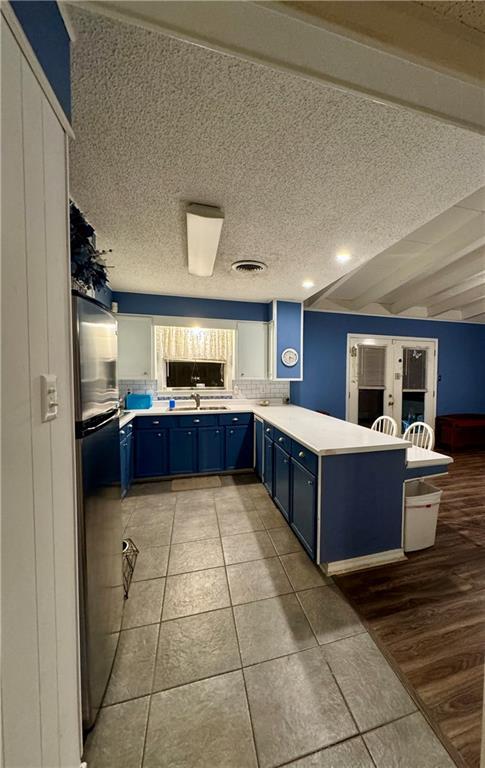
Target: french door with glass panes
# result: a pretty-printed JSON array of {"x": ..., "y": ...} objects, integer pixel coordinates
[{"x": 392, "y": 376}]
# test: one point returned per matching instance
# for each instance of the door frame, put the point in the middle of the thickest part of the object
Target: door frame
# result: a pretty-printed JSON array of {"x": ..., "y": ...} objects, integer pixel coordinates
[{"x": 387, "y": 338}]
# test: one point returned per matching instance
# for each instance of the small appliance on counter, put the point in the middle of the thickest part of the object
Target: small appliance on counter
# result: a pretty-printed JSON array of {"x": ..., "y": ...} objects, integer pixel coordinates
[{"x": 138, "y": 401}]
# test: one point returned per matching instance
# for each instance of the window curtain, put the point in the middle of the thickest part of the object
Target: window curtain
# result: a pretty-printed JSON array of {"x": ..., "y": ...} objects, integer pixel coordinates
[{"x": 178, "y": 343}]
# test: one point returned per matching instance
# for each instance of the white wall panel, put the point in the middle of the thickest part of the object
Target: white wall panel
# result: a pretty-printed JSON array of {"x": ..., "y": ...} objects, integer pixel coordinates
[
  {"x": 40, "y": 686},
  {"x": 20, "y": 680}
]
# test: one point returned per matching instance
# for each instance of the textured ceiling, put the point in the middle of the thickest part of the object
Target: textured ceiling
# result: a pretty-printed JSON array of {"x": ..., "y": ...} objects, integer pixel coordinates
[
  {"x": 301, "y": 170},
  {"x": 468, "y": 12}
]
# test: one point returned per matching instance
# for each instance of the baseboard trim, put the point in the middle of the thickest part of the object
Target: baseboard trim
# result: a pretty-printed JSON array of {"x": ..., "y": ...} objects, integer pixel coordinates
[{"x": 362, "y": 563}]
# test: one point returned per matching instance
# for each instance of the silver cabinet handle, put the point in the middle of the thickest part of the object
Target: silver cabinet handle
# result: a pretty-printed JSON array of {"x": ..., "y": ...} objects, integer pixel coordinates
[
  {"x": 196, "y": 421},
  {"x": 122, "y": 431},
  {"x": 159, "y": 434},
  {"x": 302, "y": 454},
  {"x": 217, "y": 432},
  {"x": 231, "y": 431},
  {"x": 189, "y": 433},
  {"x": 281, "y": 439},
  {"x": 309, "y": 482},
  {"x": 268, "y": 429},
  {"x": 155, "y": 422},
  {"x": 235, "y": 418}
]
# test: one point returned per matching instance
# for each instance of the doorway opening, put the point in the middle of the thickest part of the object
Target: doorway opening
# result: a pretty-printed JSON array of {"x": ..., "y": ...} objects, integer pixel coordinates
[{"x": 391, "y": 376}]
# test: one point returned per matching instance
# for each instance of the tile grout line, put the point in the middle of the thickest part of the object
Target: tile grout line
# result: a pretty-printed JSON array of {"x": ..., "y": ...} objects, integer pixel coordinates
[
  {"x": 156, "y": 650},
  {"x": 239, "y": 648}
]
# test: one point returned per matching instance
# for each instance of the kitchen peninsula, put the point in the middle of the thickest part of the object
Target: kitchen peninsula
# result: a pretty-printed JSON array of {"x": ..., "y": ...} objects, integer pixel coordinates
[{"x": 339, "y": 485}]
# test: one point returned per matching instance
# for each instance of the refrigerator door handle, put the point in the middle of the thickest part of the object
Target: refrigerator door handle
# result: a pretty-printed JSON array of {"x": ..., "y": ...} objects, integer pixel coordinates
[{"x": 98, "y": 426}]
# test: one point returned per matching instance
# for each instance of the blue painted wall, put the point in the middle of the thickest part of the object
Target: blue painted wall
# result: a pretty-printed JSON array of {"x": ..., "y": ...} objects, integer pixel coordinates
[
  {"x": 47, "y": 34},
  {"x": 288, "y": 334},
  {"x": 185, "y": 306},
  {"x": 104, "y": 295},
  {"x": 461, "y": 359}
]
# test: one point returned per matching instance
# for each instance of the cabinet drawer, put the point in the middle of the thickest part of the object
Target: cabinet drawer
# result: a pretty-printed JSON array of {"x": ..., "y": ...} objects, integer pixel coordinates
[
  {"x": 234, "y": 419},
  {"x": 282, "y": 440},
  {"x": 202, "y": 420},
  {"x": 155, "y": 422},
  {"x": 305, "y": 457},
  {"x": 268, "y": 430}
]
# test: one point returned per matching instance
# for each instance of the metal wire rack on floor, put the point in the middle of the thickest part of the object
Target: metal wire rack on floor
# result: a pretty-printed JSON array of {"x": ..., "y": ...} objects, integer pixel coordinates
[{"x": 130, "y": 553}]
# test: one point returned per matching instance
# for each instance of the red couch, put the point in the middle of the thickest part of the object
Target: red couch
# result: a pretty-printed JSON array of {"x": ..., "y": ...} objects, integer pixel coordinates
[{"x": 460, "y": 430}]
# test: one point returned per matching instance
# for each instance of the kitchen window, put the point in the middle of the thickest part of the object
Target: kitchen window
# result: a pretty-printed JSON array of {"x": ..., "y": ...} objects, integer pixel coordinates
[{"x": 194, "y": 358}]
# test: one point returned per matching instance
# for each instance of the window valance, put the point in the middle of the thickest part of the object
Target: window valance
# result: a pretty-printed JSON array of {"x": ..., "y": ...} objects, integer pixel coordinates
[{"x": 210, "y": 344}]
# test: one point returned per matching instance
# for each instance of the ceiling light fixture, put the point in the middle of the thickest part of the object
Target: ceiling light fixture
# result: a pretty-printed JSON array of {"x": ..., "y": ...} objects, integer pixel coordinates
[
  {"x": 343, "y": 257},
  {"x": 308, "y": 284},
  {"x": 204, "y": 227}
]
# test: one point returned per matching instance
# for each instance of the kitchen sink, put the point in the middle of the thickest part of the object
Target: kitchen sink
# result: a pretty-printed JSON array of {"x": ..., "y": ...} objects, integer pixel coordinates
[
  {"x": 213, "y": 408},
  {"x": 202, "y": 408}
]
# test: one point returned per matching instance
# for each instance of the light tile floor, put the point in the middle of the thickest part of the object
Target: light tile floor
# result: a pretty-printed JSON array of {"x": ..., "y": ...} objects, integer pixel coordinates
[{"x": 236, "y": 651}]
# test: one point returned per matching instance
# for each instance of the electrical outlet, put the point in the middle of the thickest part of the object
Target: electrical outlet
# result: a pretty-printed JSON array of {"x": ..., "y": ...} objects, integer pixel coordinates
[{"x": 48, "y": 396}]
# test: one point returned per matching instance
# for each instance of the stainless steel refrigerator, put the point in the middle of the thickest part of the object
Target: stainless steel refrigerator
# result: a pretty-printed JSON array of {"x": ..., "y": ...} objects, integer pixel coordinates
[{"x": 99, "y": 497}]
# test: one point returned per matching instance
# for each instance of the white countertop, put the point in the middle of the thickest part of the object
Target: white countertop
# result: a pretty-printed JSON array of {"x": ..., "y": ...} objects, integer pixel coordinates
[
  {"x": 421, "y": 457},
  {"x": 321, "y": 434},
  {"x": 324, "y": 435}
]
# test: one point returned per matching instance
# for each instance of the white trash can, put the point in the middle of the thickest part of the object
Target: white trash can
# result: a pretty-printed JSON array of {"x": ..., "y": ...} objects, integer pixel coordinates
[{"x": 422, "y": 502}]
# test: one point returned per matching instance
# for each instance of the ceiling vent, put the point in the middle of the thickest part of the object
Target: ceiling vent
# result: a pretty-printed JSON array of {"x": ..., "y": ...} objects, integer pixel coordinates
[{"x": 248, "y": 267}]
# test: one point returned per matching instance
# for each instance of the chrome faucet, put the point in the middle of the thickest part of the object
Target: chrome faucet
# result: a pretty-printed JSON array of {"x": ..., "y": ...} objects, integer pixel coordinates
[{"x": 195, "y": 396}]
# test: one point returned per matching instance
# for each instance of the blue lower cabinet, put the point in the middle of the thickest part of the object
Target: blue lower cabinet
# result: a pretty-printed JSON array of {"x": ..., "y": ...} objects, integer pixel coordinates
[
  {"x": 239, "y": 447},
  {"x": 182, "y": 451},
  {"x": 130, "y": 456},
  {"x": 281, "y": 480},
  {"x": 151, "y": 456},
  {"x": 211, "y": 449},
  {"x": 268, "y": 465},
  {"x": 304, "y": 506},
  {"x": 124, "y": 481},
  {"x": 258, "y": 441}
]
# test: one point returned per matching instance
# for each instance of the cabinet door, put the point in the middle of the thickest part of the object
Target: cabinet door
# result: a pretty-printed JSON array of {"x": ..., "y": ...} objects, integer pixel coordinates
[
  {"x": 129, "y": 459},
  {"x": 252, "y": 350},
  {"x": 182, "y": 451},
  {"x": 304, "y": 506},
  {"x": 268, "y": 464},
  {"x": 239, "y": 447},
  {"x": 211, "y": 449},
  {"x": 134, "y": 347},
  {"x": 281, "y": 480},
  {"x": 151, "y": 453},
  {"x": 258, "y": 440},
  {"x": 123, "y": 467}
]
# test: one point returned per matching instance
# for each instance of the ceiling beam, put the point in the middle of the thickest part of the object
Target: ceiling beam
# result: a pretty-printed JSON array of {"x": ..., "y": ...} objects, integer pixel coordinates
[
  {"x": 473, "y": 310},
  {"x": 458, "y": 299},
  {"x": 453, "y": 274},
  {"x": 465, "y": 239},
  {"x": 271, "y": 34}
]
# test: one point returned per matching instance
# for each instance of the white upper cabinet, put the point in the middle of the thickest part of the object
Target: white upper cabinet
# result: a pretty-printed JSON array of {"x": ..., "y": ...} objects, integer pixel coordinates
[
  {"x": 252, "y": 350},
  {"x": 135, "y": 347}
]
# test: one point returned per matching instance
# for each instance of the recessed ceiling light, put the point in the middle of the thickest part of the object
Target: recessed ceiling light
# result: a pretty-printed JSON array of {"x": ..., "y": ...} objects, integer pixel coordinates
[
  {"x": 343, "y": 257},
  {"x": 308, "y": 284}
]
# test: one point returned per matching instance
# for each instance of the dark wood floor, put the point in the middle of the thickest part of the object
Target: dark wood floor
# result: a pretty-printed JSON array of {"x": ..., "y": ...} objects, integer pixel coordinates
[{"x": 428, "y": 613}]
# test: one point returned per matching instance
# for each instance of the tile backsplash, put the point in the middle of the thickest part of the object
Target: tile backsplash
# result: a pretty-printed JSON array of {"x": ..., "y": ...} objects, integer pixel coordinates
[
  {"x": 260, "y": 390},
  {"x": 243, "y": 389}
]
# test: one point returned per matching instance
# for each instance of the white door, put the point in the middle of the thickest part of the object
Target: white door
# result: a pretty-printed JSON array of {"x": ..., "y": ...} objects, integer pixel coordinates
[
  {"x": 414, "y": 382},
  {"x": 391, "y": 376},
  {"x": 370, "y": 386}
]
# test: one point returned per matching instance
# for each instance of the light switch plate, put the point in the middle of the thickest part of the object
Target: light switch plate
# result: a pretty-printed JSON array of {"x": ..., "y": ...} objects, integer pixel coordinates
[{"x": 48, "y": 396}]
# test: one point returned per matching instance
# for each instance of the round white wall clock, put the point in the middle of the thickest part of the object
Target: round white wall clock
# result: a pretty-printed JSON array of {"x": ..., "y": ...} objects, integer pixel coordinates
[{"x": 289, "y": 357}]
